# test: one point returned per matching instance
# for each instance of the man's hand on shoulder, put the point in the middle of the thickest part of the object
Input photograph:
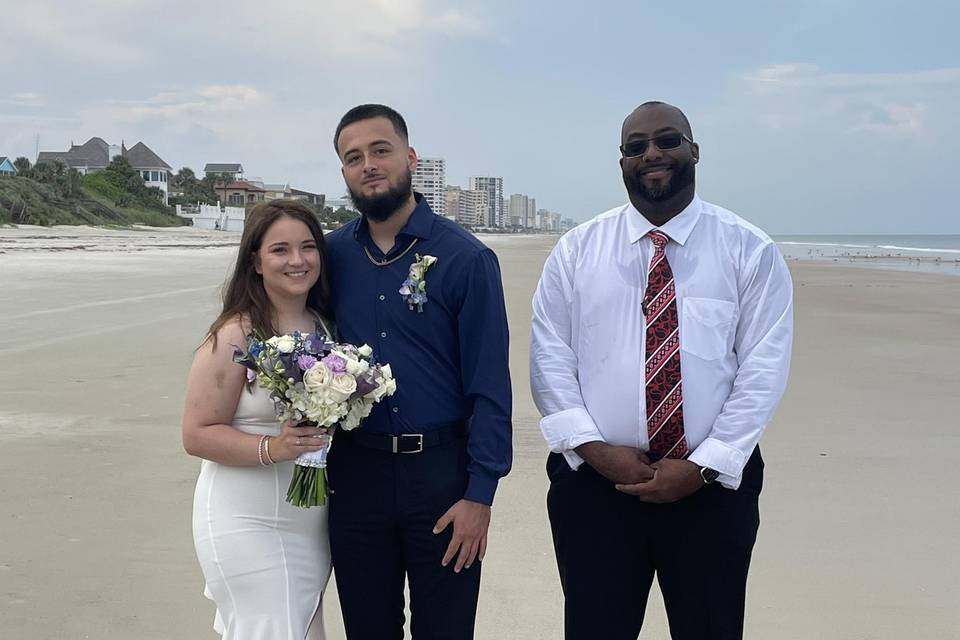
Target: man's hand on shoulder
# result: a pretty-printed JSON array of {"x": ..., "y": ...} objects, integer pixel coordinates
[
  {"x": 621, "y": 465},
  {"x": 673, "y": 480},
  {"x": 470, "y": 520}
]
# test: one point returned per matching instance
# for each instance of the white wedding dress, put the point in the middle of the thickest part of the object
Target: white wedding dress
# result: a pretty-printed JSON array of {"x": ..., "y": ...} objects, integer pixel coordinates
[{"x": 265, "y": 562}]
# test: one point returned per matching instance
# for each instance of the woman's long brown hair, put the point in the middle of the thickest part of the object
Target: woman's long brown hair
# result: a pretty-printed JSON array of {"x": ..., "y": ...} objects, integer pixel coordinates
[{"x": 244, "y": 295}]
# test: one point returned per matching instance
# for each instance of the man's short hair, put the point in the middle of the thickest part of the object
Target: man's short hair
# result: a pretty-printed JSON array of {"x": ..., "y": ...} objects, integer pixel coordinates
[
  {"x": 658, "y": 103},
  {"x": 365, "y": 112}
]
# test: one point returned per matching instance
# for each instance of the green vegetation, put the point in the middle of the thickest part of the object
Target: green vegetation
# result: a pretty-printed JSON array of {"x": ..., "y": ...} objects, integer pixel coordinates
[
  {"x": 337, "y": 218},
  {"x": 124, "y": 186},
  {"x": 195, "y": 190},
  {"x": 52, "y": 193}
]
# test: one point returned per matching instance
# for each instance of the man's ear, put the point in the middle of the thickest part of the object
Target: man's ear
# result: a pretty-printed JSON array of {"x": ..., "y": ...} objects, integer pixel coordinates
[{"x": 412, "y": 159}]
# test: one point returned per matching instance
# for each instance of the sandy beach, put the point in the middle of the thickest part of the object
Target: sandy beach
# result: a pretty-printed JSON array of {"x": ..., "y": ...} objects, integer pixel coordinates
[{"x": 860, "y": 519}]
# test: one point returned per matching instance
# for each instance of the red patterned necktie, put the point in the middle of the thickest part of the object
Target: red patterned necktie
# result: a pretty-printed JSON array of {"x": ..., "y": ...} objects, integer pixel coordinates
[{"x": 664, "y": 392}]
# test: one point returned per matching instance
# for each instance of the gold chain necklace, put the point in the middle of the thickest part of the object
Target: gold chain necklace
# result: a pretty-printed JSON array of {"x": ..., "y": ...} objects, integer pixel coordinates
[{"x": 385, "y": 262}]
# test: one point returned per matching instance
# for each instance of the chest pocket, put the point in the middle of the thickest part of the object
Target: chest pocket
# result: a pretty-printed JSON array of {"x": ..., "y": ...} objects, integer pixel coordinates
[{"x": 707, "y": 327}]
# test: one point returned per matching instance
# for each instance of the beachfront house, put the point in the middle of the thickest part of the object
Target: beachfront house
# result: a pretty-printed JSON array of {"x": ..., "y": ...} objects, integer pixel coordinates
[
  {"x": 275, "y": 191},
  {"x": 316, "y": 199},
  {"x": 95, "y": 154},
  {"x": 234, "y": 170},
  {"x": 6, "y": 167},
  {"x": 239, "y": 193}
]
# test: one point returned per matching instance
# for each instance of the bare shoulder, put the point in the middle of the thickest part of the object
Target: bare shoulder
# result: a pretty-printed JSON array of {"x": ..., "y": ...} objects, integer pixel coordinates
[{"x": 232, "y": 333}]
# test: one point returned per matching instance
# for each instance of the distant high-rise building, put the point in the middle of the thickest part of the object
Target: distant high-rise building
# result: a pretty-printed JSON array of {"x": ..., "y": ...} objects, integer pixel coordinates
[
  {"x": 523, "y": 211},
  {"x": 469, "y": 207},
  {"x": 517, "y": 209},
  {"x": 493, "y": 187},
  {"x": 430, "y": 179},
  {"x": 548, "y": 220}
]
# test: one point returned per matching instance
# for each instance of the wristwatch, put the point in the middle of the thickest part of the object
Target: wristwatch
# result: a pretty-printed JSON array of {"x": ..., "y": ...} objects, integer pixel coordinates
[{"x": 708, "y": 475}]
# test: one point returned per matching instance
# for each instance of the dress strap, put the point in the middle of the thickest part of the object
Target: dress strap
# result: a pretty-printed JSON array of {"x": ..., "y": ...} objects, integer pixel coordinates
[{"x": 321, "y": 325}]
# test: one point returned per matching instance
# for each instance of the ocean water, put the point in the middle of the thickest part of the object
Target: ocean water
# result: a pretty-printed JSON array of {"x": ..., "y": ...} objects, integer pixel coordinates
[{"x": 925, "y": 253}]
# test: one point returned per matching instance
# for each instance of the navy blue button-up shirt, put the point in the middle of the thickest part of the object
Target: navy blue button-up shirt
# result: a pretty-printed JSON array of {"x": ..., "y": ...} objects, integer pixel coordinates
[{"x": 450, "y": 361}]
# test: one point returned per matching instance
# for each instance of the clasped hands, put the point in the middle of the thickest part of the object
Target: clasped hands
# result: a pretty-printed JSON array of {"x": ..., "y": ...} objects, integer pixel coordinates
[{"x": 666, "y": 480}]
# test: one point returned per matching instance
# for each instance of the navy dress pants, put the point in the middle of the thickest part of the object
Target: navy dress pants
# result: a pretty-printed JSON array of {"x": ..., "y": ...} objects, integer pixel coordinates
[
  {"x": 610, "y": 545},
  {"x": 383, "y": 508}
]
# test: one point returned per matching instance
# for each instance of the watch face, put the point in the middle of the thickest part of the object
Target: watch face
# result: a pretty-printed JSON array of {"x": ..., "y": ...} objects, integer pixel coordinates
[{"x": 709, "y": 475}]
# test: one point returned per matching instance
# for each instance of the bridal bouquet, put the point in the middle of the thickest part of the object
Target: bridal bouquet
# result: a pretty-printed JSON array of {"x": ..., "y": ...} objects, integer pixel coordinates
[{"x": 317, "y": 382}]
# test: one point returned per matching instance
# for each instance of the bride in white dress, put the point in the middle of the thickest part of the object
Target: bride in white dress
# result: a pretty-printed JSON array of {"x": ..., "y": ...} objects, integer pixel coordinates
[{"x": 266, "y": 563}]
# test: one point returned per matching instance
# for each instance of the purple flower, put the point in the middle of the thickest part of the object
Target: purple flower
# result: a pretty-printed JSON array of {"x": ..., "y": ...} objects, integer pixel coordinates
[
  {"x": 305, "y": 361},
  {"x": 251, "y": 375},
  {"x": 335, "y": 363},
  {"x": 316, "y": 344},
  {"x": 365, "y": 385},
  {"x": 290, "y": 369}
]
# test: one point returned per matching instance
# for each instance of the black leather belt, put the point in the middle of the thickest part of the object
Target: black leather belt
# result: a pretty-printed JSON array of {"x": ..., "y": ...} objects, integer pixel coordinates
[{"x": 405, "y": 442}]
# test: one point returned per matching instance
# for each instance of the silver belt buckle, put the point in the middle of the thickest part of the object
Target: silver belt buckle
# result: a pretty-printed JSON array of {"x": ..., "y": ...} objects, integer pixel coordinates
[{"x": 396, "y": 442}]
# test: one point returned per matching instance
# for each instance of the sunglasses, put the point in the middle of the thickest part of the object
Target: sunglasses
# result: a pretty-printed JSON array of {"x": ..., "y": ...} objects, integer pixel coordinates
[{"x": 664, "y": 142}]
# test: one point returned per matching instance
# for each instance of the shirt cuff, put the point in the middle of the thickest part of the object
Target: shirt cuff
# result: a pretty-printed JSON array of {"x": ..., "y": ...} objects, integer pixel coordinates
[
  {"x": 721, "y": 457},
  {"x": 568, "y": 429},
  {"x": 481, "y": 488}
]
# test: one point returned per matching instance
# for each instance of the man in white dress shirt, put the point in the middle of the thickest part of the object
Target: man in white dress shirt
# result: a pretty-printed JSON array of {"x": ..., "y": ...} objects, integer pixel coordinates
[{"x": 660, "y": 349}]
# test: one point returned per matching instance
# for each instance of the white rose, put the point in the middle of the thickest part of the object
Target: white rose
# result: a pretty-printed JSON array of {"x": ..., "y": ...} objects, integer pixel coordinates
[
  {"x": 365, "y": 351},
  {"x": 317, "y": 378},
  {"x": 342, "y": 387},
  {"x": 283, "y": 344},
  {"x": 354, "y": 365},
  {"x": 428, "y": 261},
  {"x": 377, "y": 393},
  {"x": 391, "y": 387}
]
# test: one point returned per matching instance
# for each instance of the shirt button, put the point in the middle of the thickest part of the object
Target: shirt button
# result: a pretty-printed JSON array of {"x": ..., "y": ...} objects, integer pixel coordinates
[
  {"x": 396, "y": 410},
  {"x": 383, "y": 334},
  {"x": 383, "y": 297}
]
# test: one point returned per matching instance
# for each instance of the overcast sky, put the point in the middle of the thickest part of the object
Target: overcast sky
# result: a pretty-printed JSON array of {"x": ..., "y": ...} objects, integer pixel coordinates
[{"x": 813, "y": 117}]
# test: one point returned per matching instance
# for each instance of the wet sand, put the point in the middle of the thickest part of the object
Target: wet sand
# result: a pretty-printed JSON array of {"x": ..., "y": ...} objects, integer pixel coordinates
[{"x": 860, "y": 520}]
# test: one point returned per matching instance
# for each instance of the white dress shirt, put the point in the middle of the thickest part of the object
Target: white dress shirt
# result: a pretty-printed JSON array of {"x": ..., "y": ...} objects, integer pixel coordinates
[{"x": 735, "y": 302}]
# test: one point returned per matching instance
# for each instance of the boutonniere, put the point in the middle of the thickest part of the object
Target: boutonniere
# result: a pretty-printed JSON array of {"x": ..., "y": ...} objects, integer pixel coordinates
[{"x": 414, "y": 288}]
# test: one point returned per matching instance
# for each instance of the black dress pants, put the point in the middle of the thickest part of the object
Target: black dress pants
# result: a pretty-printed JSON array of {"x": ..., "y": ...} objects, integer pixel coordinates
[
  {"x": 383, "y": 508},
  {"x": 610, "y": 545}
]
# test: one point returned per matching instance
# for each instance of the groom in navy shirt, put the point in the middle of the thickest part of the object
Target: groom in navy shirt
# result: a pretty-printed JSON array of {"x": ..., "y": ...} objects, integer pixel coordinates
[{"x": 411, "y": 489}]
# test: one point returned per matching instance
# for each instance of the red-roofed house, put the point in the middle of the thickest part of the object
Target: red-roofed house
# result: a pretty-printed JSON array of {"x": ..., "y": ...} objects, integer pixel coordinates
[{"x": 239, "y": 193}]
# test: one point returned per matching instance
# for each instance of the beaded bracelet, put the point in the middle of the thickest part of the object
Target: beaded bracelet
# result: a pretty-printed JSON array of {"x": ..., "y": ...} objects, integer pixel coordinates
[{"x": 260, "y": 450}]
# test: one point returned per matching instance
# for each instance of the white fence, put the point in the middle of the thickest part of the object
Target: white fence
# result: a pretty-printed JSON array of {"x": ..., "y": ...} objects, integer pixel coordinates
[{"x": 213, "y": 217}]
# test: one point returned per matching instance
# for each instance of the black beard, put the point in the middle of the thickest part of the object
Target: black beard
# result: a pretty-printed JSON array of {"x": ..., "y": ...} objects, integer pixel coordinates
[
  {"x": 683, "y": 176},
  {"x": 380, "y": 207}
]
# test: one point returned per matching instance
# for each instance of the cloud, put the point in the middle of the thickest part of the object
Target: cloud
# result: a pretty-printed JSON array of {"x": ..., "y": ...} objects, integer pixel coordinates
[
  {"x": 211, "y": 100},
  {"x": 790, "y": 96},
  {"x": 24, "y": 99}
]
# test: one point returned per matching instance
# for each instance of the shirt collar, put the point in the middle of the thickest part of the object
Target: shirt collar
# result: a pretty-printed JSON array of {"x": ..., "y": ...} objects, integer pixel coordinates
[
  {"x": 419, "y": 225},
  {"x": 679, "y": 227}
]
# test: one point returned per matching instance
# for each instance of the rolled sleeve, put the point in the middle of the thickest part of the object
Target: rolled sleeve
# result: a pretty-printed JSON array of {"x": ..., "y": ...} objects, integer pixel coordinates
[
  {"x": 566, "y": 430},
  {"x": 763, "y": 346},
  {"x": 723, "y": 458},
  {"x": 554, "y": 376}
]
